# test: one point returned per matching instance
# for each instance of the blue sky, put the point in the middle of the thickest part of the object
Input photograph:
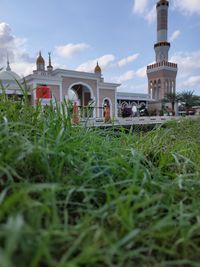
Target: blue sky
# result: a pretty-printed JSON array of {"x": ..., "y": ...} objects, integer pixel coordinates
[{"x": 120, "y": 34}]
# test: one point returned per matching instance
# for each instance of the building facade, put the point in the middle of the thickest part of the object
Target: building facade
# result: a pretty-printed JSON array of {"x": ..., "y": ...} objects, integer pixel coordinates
[
  {"x": 162, "y": 74},
  {"x": 61, "y": 84},
  {"x": 50, "y": 86}
]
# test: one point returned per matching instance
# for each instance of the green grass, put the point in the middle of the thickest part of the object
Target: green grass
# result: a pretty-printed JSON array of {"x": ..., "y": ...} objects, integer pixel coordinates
[{"x": 76, "y": 197}]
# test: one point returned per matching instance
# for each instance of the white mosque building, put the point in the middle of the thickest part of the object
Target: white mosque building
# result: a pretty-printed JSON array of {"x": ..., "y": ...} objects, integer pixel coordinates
[{"x": 48, "y": 84}]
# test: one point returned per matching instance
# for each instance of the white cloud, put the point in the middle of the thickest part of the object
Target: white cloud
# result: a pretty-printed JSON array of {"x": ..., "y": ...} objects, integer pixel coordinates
[
  {"x": 23, "y": 68},
  {"x": 15, "y": 47},
  {"x": 124, "y": 61},
  {"x": 130, "y": 75},
  {"x": 141, "y": 73},
  {"x": 192, "y": 81},
  {"x": 127, "y": 76},
  {"x": 103, "y": 61},
  {"x": 187, "y": 62},
  {"x": 140, "y": 6},
  {"x": 146, "y": 9},
  {"x": 70, "y": 50},
  {"x": 188, "y": 70},
  {"x": 189, "y": 7},
  {"x": 150, "y": 16},
  {"x": 174, "y": 35}
]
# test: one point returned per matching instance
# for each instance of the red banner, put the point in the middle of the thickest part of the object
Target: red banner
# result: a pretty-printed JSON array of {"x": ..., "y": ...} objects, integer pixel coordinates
[{"x": 43, "y": 92}]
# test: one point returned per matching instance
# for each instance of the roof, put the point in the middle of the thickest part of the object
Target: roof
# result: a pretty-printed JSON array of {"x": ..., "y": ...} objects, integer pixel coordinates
[
  {"x": 133, "y": 97},
  {"x": 9, "y": 76}
]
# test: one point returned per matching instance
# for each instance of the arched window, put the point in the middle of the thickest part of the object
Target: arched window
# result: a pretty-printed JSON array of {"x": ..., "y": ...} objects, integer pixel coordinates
[
  {"x": 134, "y": 104},
  {"x": 154, "y": 90},
  {"x": 124, "y": 104},
  {"x": 173, "y": 86},
  {"x": 166, "y": 87},
  {"x": 151, "y": 89}
]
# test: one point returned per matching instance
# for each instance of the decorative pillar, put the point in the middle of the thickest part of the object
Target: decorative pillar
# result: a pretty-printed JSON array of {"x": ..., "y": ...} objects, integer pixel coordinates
[
  {"x": 163, "y": 88},
  {"x": 155, "y": 89}
]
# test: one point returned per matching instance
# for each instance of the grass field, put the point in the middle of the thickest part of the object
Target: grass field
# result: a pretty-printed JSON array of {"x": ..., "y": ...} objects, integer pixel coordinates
[{"x": 76, "y": 197}]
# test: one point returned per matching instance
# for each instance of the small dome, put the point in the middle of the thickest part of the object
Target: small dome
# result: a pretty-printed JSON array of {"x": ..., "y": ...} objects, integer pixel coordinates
[
  {"x": 40, "y": 60},
  {"x": 9, "y": 76},
  {"x": 97, "y": 68}
]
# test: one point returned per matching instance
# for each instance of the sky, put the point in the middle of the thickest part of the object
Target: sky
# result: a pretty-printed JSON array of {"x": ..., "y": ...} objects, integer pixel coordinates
[{"x": 119, "y": 34}]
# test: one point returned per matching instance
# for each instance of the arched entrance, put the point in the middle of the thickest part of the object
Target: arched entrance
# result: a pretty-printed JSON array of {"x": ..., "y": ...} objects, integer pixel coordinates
[
  {"x": 82, "y": 94},
  {"x": 73, "y": 97}
]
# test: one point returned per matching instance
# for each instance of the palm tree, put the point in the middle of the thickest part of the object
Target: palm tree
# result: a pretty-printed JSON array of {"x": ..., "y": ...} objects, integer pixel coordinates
[
  {"x": 189, "y": 99},
  {"x": 171, "y": 98}
]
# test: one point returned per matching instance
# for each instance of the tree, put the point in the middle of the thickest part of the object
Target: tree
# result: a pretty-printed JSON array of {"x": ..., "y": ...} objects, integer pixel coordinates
[
  {"x": 171, "y": 98},
  {"x": 189, "y": 100}
]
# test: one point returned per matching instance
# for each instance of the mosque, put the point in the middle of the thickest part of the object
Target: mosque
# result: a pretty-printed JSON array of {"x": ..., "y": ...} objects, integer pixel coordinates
[
  {"x": 58, "y": 85},
  {"x": 48, "y": 84},
  {"x": 61, "y": 84},
  {"x": 86, "y": 88}
]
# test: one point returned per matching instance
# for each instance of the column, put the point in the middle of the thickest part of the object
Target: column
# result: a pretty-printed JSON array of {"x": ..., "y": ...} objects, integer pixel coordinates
[
  {"x": 159, "y": 89},
  {"x": 174, "y": 86},
  {"x": 162, "y": 88},
  {"x": 61, "y": 93},
  {"x": 155, "y": 89}
]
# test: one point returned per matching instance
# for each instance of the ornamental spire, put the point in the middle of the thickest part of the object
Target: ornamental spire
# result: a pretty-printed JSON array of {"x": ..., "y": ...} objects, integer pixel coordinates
[
  {"x": 8, "y": 68},
  {"x": 40, "y": 63},
  {"x": 49, "y": 67},
  {"x": 97, "y": 68}
]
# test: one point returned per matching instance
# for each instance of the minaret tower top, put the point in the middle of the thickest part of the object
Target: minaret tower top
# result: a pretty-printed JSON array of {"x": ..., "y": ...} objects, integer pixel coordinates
[
  {"x": 162, "y": 46},
  {"x": 49, "y": 67},
  {"x": 162, "y": 20}
]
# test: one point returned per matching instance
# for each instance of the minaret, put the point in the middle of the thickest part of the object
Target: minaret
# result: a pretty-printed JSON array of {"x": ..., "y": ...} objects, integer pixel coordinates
[
  {"x": 49, "y": 67},
  {"x": 162, "y": 74},
  {"x": 162, "y": 46}
]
